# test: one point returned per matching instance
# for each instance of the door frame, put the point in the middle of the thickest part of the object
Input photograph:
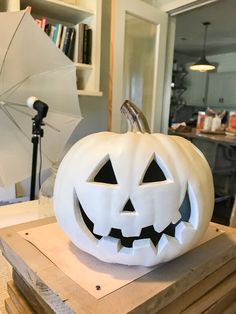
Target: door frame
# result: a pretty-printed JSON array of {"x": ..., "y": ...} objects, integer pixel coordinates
[
  {"x": 174, "y": 7},
  {"x": 151, "y": 14}
]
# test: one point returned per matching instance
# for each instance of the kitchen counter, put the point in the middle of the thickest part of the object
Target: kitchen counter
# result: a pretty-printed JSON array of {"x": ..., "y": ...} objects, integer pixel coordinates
[
  {"x": 214, "y": 137},
  {"x": 220, "y": 152}
]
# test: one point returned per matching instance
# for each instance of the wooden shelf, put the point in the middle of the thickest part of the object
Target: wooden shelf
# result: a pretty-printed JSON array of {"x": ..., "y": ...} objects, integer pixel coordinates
[
  {"x": 57, "y": 10},
  {"x": 83, "y": 66},
  {"x": 82, "y": 92}
]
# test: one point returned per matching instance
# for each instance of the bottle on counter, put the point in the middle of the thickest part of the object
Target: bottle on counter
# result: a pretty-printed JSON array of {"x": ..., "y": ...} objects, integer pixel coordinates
[
  {"x": 216, "y": 123},
  {"x": 207, "y": 123},
  {"x": 232, "y": 121},
  {"x": 201, "y": 119}
]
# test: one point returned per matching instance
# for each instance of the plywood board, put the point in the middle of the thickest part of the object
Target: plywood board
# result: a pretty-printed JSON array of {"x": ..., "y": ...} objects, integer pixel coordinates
[
  {"x": 222, "y": 289},
  {"x": 19, "y": 301},
  {"x": 5, "y": 275},
  {"x": 201, "y": 289},
  {"x": 10, "y": 307},
  {"x": 97, "y": 277},
  {"x": 31, "y": 295}
]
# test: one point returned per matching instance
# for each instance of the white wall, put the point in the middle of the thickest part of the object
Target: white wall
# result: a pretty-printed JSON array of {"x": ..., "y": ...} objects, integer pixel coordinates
[{"x": 95, "y": 109}]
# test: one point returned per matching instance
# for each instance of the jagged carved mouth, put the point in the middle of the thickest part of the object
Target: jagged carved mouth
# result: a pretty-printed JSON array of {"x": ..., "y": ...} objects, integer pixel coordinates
[{"x": 146, "y": 232}]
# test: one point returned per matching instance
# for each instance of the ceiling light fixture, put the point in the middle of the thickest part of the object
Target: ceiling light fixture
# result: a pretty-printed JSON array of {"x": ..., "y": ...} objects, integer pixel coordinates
[{"x": 202, "y": 65}]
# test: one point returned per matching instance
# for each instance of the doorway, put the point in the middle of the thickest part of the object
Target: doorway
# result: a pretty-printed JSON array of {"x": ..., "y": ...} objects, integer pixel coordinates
[{"x": 196, "y": 91}]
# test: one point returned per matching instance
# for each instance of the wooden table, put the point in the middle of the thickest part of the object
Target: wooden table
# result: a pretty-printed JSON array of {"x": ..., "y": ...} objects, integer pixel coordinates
[{"x": 201, "y": 281}]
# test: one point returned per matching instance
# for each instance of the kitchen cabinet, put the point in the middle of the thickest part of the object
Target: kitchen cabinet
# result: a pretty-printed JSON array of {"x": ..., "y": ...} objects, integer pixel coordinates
[
  {"x": 178, "y": 86},
  {"x": 222, "y": 89},
  {"x": 215, "y": 89},
  {"x": 196, "y": 86}
]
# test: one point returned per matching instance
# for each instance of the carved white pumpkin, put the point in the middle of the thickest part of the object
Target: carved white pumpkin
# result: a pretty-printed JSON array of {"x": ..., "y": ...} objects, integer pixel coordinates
[{"x": 134, "y": 198}]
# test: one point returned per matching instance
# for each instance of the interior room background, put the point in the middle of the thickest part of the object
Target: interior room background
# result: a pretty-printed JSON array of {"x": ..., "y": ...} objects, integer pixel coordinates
[{"x": 95, "y": 109}]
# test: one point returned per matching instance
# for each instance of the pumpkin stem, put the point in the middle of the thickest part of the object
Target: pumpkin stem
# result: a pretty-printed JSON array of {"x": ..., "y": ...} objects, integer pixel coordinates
[{"x": 136, "y": 120}]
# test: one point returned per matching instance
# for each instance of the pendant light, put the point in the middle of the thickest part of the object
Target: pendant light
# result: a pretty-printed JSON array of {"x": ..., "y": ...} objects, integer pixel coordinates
[{"x": 202, "y": 65}]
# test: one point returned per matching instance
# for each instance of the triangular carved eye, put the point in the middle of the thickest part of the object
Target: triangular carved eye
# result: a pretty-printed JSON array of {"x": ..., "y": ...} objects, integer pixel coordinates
[
  {"x": 106, "y": 174},
  {"x": 153, "y": 173}
]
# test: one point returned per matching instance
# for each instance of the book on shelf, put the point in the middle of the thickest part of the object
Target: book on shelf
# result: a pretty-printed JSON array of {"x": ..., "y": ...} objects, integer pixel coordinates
[
  {"x": 68, "y": 39},
  {"x": 81, "y": 42},
  {"x": 75, "y": 41},
  {"x": 63, "y": 36},
  {"x": 71, "y": 45},
  {"x": 76, "y": 44},
  {"x": 59, "y": 34},
  {"x": 56, "y": 33},
  {"x": 52, "y": 31},
  {"x": 43, "y": 23},
  {"x": 87, "y": 46},
  {"x": 85, "y": 43},
  {"x": 47, "y": 29}
]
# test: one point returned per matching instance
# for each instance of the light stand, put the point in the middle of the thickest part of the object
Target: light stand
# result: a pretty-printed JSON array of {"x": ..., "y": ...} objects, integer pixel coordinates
[{"x": 37, "y": 134}]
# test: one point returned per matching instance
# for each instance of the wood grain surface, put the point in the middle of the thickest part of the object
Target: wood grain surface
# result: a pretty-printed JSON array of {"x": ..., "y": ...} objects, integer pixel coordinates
[{"x": 148, "y": 294}]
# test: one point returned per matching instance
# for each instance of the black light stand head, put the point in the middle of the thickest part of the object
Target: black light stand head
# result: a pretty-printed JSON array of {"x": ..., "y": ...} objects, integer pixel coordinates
[{"x": 42, "y": 109}]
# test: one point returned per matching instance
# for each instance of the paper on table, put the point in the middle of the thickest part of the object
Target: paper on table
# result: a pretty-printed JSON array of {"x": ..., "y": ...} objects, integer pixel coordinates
[{"x": 86, "y": 270}]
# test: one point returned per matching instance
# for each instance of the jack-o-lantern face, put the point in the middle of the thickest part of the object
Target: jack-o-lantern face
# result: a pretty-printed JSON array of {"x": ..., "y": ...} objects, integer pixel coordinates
[{"x": 136, "y": 199}]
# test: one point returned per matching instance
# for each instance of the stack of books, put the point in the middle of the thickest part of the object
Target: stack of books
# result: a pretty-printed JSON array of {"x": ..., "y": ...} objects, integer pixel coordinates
[{"x": 74, "y": 41}]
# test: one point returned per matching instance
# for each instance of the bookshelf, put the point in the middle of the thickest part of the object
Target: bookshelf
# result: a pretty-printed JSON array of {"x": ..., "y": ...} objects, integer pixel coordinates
[{"x": 70, "y": 13}]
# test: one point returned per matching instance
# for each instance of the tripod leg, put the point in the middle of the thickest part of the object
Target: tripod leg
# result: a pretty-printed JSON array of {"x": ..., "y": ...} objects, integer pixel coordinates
[{"x": 35, "y": 141}]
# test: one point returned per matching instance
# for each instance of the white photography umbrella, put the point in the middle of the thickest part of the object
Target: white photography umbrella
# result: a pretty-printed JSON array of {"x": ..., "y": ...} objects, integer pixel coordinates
[{"x": 31, "y": 65}]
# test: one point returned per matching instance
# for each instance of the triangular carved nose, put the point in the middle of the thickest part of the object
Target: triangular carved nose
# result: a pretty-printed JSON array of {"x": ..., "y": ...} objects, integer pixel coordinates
[{"x": 129, "y": 207}]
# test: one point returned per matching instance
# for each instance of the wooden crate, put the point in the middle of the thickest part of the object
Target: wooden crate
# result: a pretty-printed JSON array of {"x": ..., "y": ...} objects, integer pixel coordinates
[{"x": 201, "y": 281}]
